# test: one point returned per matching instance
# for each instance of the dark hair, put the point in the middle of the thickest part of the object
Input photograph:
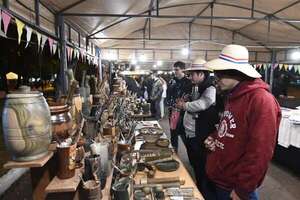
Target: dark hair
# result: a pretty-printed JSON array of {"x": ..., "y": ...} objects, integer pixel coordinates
[
  {"x": 205, "y": 72},
  {"x": 235, "y": 74},
  {"x": 179, "y": 64}
]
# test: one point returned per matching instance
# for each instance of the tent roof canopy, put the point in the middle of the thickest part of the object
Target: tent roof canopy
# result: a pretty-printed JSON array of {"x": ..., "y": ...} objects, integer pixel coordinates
[{"x": 260, "y": 25}]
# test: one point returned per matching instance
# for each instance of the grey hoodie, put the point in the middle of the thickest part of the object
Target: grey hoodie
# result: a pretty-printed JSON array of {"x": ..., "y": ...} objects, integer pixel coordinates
[{"x": 198, "y": 103}]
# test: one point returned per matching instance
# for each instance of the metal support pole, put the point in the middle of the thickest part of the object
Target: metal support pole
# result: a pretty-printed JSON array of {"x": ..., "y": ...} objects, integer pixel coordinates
[
  {"x": 211, "y": 20},
  {"x": 86, "y": 43},
  {"x": 79, "y": 41},
  {"x": 190, "y": 32},
  {"x": 274, "y": 54},
  {"x": 252, "y": 9},
  {"x": 56, "y": 23},
  {"x": 269, "y": 29},
  {"x": 149, "y": 25},
  {"x": 100, "y": 65},
  {"x": 63, "y": 56},
  {"x": 266, "y": 74},
  {"x": 233, "y": 37},
  {"x": 6, "y": 3},
  {"x": 37, "y": 12},
  {"x": 69, "y": 34},
  {"x": 206, "y": 56},
  {"x": 157, "y": 7}
]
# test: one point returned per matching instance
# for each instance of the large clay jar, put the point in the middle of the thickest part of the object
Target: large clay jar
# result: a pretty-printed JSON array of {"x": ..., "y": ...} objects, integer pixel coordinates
[
  {"x": 26, "y": 124},
  {"x": 61, "y": 120}
]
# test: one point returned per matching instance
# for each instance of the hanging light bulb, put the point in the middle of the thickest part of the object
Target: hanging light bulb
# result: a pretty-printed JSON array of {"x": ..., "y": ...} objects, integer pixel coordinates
[{"x": 185, "y": 51}]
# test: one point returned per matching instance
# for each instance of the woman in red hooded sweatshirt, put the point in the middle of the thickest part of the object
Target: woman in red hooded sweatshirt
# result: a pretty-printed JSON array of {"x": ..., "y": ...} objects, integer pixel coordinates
[{"x": 243, "y": 145}]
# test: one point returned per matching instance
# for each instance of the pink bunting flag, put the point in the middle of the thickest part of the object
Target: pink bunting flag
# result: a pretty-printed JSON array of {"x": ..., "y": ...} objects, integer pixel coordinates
[
  {"x": 50, "y": 40},
  {"x": 69, "y": 53},
  {"x": 6, "y": 20}
]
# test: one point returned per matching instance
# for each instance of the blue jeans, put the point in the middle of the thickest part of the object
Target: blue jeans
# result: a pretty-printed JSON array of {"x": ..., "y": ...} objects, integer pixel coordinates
[{"x": 222, "y": 194}]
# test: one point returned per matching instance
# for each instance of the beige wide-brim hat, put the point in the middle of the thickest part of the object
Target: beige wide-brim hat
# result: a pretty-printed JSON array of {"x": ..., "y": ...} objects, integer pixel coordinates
[
  {"x": 198, "y": 65},
  {"x": 233, "y": 57}
]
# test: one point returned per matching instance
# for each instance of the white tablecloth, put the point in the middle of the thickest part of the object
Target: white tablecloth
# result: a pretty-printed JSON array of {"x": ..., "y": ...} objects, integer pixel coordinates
[{"x": 289, "y": 130}]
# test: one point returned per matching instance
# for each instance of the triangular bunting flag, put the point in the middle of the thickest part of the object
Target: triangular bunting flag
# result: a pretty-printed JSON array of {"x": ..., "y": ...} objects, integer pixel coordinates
[
  {"x": 6, "y": 20},
  {"x": 50, "y": 40},
  {"x": 290, "y": 67},
  {"x": 28, "y": 35},
  {"x": 54, "y": 48},
  {"x": 39, "y": 37},
  {"x": 20, "y": 26},
  {"x": 298, "y": 67},
  {"x": 275, "y": 66},
  {"x": 71, "y": 53},
  {"x": 68, "y": 49},
  {"x": 280, "y": 66},
  {"x": 285, "y": 66},
  {"x": 44, "y": 39}
]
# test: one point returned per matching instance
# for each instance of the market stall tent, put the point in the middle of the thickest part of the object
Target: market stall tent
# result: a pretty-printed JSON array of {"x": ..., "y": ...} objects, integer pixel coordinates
[{"x": 141, "y": 27}]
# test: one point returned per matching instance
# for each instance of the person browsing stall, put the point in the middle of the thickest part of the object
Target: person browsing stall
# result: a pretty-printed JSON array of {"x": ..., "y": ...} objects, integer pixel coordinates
[
  {"x": 244, "y": 143},
  {"x": 178, "y": 87},
  {"x": 199, "y": 119}
]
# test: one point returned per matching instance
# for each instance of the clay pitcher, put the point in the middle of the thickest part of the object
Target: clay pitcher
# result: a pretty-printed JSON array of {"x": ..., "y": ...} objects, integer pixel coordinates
[{"x": 26, "y": 124}]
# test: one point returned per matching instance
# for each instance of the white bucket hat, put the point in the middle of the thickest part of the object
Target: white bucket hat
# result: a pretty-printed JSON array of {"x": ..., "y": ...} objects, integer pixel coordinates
[
  {"x": 233, "y": 57},
  {"x": 198, "y": 65}
]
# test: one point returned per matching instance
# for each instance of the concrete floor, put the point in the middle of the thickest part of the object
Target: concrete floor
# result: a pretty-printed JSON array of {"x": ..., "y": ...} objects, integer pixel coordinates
[{"x": 279, "y": 184}]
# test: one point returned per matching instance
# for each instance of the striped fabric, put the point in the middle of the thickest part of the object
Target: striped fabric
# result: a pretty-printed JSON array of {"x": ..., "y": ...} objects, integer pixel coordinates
[{"x": 233, "y": 60}]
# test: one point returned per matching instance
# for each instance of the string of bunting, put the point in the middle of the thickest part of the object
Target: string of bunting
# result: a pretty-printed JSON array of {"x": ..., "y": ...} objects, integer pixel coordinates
[
  {"x": 6, "y": 18},
  {"x": 285, "y": 67}
]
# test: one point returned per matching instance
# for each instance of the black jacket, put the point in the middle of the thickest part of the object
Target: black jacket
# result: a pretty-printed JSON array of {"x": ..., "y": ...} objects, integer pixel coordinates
[{"x": 177, "y": 88}]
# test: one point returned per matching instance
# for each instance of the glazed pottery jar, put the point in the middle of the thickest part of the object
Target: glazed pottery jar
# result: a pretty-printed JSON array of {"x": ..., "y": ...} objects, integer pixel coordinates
[
  {"x": 26, "y": 124},
  {"x": 61, "y": 120}
]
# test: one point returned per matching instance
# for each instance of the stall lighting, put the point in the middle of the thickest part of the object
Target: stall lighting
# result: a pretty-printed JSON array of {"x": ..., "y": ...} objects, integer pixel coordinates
[
  {"x": 295, "y": 55},
  {"x": 137, "y": 67},
  {"x": 159, "y": 63},
  {"x": 133, "y": 61},
  {"x": 143, "y": 58},
  {"x": 185, "y": 51},
  {"x": 154, "y": 66}
]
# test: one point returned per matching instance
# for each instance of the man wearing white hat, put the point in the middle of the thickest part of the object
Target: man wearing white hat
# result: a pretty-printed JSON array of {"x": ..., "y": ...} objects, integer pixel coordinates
[
  {"x": 199, "y": 119},
  {"x": 243, "y": 145}
]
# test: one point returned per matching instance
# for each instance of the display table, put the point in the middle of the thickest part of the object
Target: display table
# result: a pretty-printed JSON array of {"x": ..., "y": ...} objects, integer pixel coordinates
[
  {"x": 180, "y": 172},
  {"x": 142, "y": 117},
  {"x": 287, "y": 149},
  {"x": 289, "y": 130}
]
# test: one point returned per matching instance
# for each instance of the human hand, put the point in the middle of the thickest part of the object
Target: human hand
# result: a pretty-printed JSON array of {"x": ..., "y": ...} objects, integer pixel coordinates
[
  {"x": 180, "y": 103},
  {"x": 210, "y": 143},
  {"x": 234, "y": 196}
]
